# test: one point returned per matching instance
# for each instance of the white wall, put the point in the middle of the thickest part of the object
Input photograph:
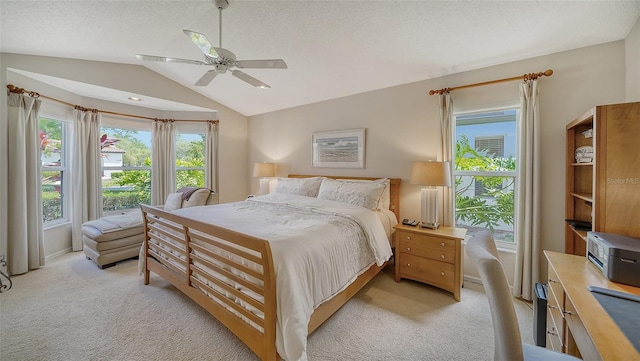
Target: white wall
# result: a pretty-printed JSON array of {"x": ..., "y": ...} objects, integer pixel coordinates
[
  {"x": 632, "y": 52},
  {"x": 402, "y": 124},
  {"x": 133, "y": 78}
]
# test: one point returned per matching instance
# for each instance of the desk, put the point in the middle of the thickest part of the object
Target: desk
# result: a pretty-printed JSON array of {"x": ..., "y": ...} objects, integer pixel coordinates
[{"x": 587, "y": 330}]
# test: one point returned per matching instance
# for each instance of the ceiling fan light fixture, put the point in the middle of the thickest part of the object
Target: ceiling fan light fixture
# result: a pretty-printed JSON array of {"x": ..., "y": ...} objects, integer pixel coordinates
[{"x": 220, "y": 68}]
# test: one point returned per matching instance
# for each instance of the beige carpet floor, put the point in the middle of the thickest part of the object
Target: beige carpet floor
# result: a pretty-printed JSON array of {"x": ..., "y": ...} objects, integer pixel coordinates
[{"x": 71, "y": 310}]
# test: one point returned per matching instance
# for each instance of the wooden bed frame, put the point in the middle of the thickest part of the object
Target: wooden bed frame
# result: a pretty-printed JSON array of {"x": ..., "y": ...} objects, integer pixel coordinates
[{"x": 185, "y": 270}]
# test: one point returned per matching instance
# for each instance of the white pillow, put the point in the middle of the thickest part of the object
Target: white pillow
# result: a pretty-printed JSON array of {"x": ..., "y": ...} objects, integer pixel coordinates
[
  {"x": 173, "y": 202},
  {"x": 197, "y": 198},
  {"x": 299, "y": 186},
  {"x": 363, "y": 194},
  {"x": 385, "y": 200}
]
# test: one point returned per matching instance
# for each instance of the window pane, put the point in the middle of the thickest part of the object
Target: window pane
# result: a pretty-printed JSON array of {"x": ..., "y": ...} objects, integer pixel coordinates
[
  {"x": 51, "y": 196},
  {"x": 189, "y": 160},
  {"x": 52, "y": 160},
  {"x": 486, "y": 143},
  {"x": 126, "y": 190},
  {"x": 493, "y": 209},
  {"x": 51, "y": 142},
  {"x": 124, "y": 147},
  {"x": 189, "y": 178}
]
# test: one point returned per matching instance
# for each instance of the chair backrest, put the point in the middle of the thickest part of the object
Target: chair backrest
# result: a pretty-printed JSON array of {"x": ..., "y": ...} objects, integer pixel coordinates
[{"x": 481, "y": 248}]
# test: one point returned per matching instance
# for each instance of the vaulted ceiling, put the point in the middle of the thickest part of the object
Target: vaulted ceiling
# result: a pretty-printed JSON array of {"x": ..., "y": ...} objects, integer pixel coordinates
[{"x": 332, "y": 48}]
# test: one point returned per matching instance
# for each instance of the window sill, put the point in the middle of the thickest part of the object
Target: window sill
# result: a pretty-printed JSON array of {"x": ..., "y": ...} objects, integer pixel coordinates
[{"x": 55, "y": 224}]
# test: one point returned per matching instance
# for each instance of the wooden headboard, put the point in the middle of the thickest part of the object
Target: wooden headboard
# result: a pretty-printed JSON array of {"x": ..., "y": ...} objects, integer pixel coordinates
[{"x": 394, "y": 190}]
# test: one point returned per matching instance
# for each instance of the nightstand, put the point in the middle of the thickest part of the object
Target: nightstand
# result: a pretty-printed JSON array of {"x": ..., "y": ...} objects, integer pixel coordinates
[{"x": 432, "y": 256}]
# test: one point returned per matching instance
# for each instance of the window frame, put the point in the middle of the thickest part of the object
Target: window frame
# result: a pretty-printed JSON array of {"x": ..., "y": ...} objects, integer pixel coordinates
[
  {"x": 190, "y": 130},
  {"x": 129, "y": 126},
  {"x": 64, "y": 168},
  {"x": 484, "y": 173}
]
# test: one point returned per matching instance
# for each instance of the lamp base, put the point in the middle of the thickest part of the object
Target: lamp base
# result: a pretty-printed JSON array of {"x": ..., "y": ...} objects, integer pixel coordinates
[
  {"x": 429, "y": 216},
  {"x": 264, "y": 186}
]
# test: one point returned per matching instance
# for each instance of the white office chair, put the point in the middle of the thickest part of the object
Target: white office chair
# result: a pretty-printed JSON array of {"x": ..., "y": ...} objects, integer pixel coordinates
[{"x": 508, "y": 343}]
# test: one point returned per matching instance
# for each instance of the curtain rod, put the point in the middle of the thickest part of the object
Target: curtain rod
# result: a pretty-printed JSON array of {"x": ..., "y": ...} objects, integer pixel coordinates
[
  {"x": 14, "y": 89},
  {"x": 523, "y": 77}
]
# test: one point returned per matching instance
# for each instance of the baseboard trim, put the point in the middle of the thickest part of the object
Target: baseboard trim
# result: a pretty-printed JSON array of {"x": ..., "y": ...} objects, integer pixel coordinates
[{"x": 53, "y": 256}]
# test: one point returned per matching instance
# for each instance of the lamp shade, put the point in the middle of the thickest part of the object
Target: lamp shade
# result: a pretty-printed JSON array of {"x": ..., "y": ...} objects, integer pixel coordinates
[
  {"x": 431, "y": 174},
  {"x": 264, "y": 170}
]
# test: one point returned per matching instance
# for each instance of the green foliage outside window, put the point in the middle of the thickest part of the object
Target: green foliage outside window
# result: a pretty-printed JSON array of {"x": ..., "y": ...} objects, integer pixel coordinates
[
  {"x": 137, "y": 183},
  {"x": 495, "y": 206},
  {"x": 190, "y": 154}
]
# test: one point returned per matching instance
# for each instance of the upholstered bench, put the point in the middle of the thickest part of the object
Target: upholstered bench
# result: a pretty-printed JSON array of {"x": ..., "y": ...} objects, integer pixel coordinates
[
  {"x": 110, "y": 239},
  {"x": 113, "y": 238}
]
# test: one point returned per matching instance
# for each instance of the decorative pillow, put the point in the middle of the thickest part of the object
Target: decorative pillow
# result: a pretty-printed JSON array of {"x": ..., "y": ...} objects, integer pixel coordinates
[
  {"x": 385, "y": 200},
  {"x": 197, "y": 198},
  {"x": 173, "y": 202},
  {"x": 363, "y": 194},
  {"x": 300, "y": 186}
]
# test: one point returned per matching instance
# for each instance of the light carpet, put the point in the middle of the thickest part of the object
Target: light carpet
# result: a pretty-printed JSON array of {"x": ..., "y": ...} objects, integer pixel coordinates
[{"x": 71, "y": 310}]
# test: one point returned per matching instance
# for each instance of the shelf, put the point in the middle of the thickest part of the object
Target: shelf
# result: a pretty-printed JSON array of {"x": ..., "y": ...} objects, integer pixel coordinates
[
  {"x": 584, "y": 196},
  {"x": 581, "y": 234},
  {"x": 581, "y": 164}
]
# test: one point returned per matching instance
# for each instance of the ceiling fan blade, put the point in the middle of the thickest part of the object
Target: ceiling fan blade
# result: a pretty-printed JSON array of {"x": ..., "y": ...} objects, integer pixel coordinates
[
  {"x": 262, "y": 64},
  {"x": 202, "y": 43},
  {"x": 206, "y": 78},
  {"x": 169, "y": 60},
  {"x": 249, "y": 79}
]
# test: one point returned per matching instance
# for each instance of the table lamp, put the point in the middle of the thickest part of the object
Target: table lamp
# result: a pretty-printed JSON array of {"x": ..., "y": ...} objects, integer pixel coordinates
[
  {"x": 430, "y": 174},
  {"x": 264, "y": 170}
]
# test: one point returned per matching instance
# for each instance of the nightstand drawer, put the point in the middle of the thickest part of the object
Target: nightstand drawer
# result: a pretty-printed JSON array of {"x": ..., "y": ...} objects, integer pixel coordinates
[
  {"x": 419, "y": 250},
  {"x": 440, "y": 274},
  {"x": 426, "y": 241}
]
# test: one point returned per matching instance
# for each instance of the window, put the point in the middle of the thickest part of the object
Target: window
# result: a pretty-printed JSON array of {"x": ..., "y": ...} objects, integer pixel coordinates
[
  {"x": 485, "y": 172},
  {"x": 126, "y": 168},
  {"x": 54, "y": 174},
  {"x": 189, "y": 160}
]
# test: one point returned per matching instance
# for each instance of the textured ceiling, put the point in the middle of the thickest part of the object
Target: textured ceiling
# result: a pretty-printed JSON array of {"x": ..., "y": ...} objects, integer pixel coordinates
[{"x": 332, "y": 48}]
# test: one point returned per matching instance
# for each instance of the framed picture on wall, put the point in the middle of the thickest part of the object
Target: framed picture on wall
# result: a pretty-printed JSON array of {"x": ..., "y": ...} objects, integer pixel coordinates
[{"x": 339, "y": 149}]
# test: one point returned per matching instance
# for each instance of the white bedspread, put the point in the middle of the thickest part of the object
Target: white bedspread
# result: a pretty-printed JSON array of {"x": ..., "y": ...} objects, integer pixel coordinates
[{"x": 319, "y": 247}]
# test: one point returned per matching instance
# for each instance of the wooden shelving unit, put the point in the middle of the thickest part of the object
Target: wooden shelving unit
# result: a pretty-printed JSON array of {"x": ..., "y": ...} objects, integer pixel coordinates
[{"x": 606, "y": 191}]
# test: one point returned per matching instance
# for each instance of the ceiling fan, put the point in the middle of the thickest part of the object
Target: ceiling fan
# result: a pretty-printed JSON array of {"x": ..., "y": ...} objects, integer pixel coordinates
[{"x": 221, "y": 59}]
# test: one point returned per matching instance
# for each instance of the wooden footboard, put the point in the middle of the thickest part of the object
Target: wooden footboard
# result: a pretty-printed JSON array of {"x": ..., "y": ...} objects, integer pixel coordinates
[{"x": 229, "y": 274}]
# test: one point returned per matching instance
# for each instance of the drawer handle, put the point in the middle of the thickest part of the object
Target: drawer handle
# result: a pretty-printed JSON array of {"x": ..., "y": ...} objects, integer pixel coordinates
[
  {"x": 552, "y": 333},
  {"x": 567, "y": 312},
  {"x": 408, "y": 237},
  {"x": 408, "y": 264},
  {"x": 408, "y": 248},
  {"x": 442, "y": 273},
  {"x": 551, "y": 280},
  {"x": 442, "y": 244},
  {"x": 442, "y": 256},
  {"x": 553, "y": 307}
]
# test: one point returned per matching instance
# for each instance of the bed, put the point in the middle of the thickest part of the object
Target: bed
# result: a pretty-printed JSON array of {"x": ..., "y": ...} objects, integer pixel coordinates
[{"x": 226, "y": 257}]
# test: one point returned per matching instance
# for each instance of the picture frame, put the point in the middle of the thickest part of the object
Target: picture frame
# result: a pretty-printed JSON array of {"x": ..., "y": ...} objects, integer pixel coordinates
[{"x": 339, "y": 149}]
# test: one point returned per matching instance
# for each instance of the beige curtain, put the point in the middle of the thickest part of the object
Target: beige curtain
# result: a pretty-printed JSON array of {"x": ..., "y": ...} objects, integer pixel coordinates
[
  {"x": 86, "y": 170},
  {"x": 528, "y": 202},
  {"x": 211, "y": 158},
  {"x": 163, "y": 161},
  {"x": 446, "y": 129},
  {"x": 25, "y": 249}
]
